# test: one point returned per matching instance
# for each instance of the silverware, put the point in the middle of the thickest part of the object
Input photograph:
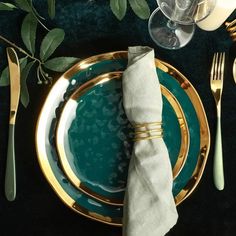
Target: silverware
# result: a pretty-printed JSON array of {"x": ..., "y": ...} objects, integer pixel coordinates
[
  {"x": 216, "y": 82},
  {"x": 231, "y": 28},
  {"x": 14, "y": 70},
  {"x": 234, "y": 70}
]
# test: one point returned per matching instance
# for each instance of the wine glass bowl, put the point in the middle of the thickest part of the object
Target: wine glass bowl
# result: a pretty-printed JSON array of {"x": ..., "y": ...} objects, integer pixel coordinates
[
  {"x": 172, "y": 24},
  {"x": 168, "y": 34}
]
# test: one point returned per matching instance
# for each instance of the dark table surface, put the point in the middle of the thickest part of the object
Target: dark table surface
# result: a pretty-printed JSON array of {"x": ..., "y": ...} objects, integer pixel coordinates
[{"x": 90, "y": 29}]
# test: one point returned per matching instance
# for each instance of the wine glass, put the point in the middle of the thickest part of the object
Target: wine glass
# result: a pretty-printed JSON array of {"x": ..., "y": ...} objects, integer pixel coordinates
[{"x": 172, "y": 24}]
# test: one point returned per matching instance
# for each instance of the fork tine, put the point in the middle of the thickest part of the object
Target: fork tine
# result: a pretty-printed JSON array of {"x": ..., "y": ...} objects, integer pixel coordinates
[
  {"x": 213, "y": 67},
  {"x": 218, "y": 64},
  {"x": 217, "y": 71},
  {"x": 219, "y": 68},
  {"x": 222, "y": 66}
]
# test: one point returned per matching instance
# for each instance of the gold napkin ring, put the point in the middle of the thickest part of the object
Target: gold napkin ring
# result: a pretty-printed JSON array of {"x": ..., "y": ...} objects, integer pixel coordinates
[{"x": 146, "y": 131}]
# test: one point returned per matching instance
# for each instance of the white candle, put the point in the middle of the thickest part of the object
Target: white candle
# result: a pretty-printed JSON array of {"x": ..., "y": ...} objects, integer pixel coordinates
[{"x": 219, "y": 14}]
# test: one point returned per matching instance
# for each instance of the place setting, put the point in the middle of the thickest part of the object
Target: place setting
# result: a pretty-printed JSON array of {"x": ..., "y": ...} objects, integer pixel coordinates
[{"x": 123, "y": 137}]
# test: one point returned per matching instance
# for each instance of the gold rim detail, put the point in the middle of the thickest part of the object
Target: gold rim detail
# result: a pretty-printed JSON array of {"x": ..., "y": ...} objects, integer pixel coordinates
[{"x": 204, "y": 130}]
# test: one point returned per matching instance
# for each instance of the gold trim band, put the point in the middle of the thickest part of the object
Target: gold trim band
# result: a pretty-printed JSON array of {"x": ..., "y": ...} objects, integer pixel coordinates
[
  {"x": 147, "y": 124},
  {"x": 147, "y": 138},
  {"x": 12, "y": 118},
  {"x": 147, "y": 131}
]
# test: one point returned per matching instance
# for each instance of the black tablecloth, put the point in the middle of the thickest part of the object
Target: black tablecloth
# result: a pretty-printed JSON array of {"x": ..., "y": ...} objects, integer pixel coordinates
[{"x": 90, "y": 29}]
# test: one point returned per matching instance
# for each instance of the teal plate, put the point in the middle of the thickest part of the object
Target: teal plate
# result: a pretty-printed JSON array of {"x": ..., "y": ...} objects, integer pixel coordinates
[
  {"x": 85, "y": 70},
  {"x": 94, "y": 137}
]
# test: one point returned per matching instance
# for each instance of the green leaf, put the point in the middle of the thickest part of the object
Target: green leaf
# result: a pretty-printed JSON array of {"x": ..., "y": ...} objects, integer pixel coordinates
[
  {"x": 60, "y": 64},
  {"x": 23, "y": 63},
  {"x": 51, "y": 8},
  {"x": 140, "y": 8},
  {"x": 24, "y": 95},
  {"x": 50, "y": 42},
  {"x": 24, "y": 5},
  {"x": 28, "y": 32},
  {"x": 118, "y": 8},
  {"x": 4, "y": 6},
  {"x": 4, "y": 78}
]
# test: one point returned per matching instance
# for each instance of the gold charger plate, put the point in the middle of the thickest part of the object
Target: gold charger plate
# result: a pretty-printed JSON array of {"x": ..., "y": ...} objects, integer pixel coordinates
[{"x": 186, "y": 181}]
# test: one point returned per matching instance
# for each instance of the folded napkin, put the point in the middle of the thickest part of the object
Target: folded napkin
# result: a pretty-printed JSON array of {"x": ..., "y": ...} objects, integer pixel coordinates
[{"x": 149, "y": 207}]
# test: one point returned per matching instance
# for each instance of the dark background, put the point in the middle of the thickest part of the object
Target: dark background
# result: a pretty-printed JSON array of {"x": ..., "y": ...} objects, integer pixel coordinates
[{"x": 90, "y": 29}]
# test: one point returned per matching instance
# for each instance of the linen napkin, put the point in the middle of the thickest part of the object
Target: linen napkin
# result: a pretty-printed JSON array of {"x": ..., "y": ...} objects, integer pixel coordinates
[{"x": 149, "y": 207}]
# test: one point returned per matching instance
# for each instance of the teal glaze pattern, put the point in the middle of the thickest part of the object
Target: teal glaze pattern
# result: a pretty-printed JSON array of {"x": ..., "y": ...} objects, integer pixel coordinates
[
  {"x": 100, "y": 139},
  {"x": 82, "y": 199},
  {"x": 113, "y": 65}
]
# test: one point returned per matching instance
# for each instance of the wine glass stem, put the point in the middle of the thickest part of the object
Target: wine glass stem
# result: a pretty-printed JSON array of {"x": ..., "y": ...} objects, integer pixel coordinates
[{"x": 172, "y": 25}]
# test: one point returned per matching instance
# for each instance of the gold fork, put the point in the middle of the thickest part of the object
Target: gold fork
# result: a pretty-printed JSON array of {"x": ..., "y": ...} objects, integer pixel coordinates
[{"x": 216, "y": 82}]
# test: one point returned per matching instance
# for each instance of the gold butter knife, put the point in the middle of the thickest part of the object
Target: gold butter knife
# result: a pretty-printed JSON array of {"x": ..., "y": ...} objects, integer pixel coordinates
[{"x": 14, "y": 71}]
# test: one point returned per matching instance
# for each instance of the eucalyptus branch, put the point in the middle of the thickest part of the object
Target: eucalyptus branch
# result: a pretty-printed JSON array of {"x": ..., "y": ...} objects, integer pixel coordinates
[{"x": 20, "y": 49}]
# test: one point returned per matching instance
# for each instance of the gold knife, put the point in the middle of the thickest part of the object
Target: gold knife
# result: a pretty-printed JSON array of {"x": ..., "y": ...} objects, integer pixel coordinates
[{"x": 14, "y": 71}]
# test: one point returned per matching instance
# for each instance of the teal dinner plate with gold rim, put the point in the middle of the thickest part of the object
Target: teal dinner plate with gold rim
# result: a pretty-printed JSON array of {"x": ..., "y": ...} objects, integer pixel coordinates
[
  {"x": 94, "y": 138},
  {"x": 87, "y": 69}
]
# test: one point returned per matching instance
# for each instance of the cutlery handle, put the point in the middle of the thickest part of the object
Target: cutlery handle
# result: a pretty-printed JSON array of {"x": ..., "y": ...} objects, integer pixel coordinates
[
  {"x": 10, "y": 177},
  {"x": 218, "y": 169}
]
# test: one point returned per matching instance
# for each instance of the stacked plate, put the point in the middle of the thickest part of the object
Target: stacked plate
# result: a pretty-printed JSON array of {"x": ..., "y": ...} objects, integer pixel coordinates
[{"x": 84, "y": 140}]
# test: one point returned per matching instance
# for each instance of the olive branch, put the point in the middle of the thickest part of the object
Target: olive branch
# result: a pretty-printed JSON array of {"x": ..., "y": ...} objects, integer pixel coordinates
[
  {"x": 27, "y": 58},
  {"x": 44, "y": 64}
]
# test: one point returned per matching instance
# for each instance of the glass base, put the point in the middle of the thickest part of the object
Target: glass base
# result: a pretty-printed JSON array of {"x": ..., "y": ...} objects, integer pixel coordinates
[{"x": 168, "y": 34}]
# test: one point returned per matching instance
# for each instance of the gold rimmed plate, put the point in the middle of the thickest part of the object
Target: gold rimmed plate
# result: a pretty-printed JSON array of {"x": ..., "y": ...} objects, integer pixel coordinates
[
  {"x": 169, "y": 77},
  {"x": 94, "y": 138}
]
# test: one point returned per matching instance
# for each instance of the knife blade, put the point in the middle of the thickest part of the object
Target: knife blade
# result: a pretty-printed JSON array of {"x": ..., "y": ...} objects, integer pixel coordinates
[
  {"x": 14, "y": 72},
  {"x": 234, "y": 70}
]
